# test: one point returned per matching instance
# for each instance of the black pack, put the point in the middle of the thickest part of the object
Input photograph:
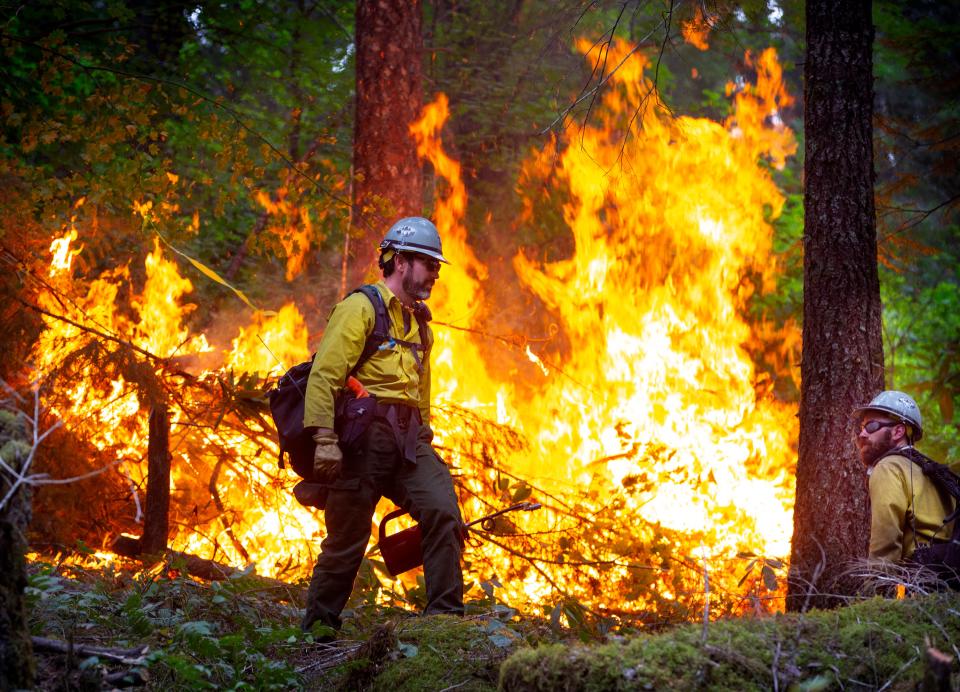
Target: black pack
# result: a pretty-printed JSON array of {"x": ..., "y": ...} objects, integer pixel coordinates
[
  {"x": 288, "y": 397},
  {"x": 943, "y": 558}
]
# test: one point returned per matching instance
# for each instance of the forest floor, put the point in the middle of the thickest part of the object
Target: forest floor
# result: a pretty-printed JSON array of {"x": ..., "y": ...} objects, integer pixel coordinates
[{"x": 160, "y": 630}]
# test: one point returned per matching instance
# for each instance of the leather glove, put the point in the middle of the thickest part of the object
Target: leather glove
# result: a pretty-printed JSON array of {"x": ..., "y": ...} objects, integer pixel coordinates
[{"x": 327, "y": 459}]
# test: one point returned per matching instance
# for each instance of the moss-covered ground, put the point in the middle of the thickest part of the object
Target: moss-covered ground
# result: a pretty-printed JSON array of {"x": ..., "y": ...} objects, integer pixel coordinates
[
  {"x": 238, "y": 634},
  {"x": 871, "y": 645}
]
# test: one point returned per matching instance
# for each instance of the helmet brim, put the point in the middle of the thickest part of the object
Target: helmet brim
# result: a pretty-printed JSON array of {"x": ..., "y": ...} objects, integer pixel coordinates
[
  {"x": 415, "y": 249},
  {"x": 860, "y": 410}
]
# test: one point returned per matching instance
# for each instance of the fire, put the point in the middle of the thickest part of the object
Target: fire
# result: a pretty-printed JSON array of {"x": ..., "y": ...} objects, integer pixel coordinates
[
  {"x": 643, "y": 428},
  {"x": 656, "y": 404},
  {"x": 295, "y": 234},
  {"x": 229, "y": 508},
  {"x": 271, "y": 344},
  {"x": 695, "y": 31},
  {"x": 160, "y": 330}
]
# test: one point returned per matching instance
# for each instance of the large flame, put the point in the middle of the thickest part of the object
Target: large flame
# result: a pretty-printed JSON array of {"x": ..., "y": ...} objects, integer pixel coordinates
[
  {"x": 656, "y": 402},
  {"x": 658, "y": 454}
]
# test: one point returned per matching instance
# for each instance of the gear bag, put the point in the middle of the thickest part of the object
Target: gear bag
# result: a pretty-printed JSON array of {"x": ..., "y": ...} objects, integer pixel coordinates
[
  {"x": 942, "y": 558},
  {"x": 288, "y": 397}
]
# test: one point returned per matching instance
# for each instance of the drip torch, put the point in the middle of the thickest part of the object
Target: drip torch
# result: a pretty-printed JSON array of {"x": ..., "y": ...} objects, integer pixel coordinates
[{"x": 403, "y": 550}]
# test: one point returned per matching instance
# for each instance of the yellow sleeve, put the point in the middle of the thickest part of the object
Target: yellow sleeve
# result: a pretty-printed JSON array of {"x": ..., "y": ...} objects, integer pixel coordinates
[
  {"x": 340, "y": 348},
  {"x": 889, "y": 498}
]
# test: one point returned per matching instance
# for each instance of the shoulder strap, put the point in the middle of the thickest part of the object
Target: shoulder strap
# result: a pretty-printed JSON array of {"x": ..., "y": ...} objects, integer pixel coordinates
[
  {"x": 940, "y": 474},
  {"x": 423, "y": 315},
  {"x": 381, "y": 328},
  {"x": 381, "y": 324}
]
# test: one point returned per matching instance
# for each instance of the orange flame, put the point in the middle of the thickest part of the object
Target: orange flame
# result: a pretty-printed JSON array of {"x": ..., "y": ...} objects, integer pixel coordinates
[
  {"x": 295, "y": 236},
  {"x": 271, "y": 344},
  {"x": 695, "y": 31},
  {"x": 668, "y": 226},
  {"x": 651, "y": 419}
]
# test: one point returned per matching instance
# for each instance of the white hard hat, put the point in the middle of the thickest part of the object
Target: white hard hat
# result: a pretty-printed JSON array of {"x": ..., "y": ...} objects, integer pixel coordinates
[
  {"x": 900, "y": 405},
  {"x": 414, "y": 234}
]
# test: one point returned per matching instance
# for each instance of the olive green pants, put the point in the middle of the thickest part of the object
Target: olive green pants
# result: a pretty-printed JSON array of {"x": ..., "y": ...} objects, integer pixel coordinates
[{"x": 373, "y": 469}]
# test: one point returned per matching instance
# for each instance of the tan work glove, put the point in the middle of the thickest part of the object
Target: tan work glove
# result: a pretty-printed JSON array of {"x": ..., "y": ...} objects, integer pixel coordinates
[{"x": 327, "y": 459}]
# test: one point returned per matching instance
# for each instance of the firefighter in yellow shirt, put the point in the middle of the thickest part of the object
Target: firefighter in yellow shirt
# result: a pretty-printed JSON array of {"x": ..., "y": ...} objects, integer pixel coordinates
[
  {"x": 906, "y": 508},
  {"x": 383, "y": 449}
]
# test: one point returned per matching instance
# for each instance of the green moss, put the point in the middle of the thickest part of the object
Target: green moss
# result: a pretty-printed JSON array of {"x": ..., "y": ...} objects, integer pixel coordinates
[
  {"x": 867, "y": 644},
  {"x": 442, "y": 651}
]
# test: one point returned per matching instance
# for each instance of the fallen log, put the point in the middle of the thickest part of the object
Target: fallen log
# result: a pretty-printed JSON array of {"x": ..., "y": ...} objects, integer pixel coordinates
[
  {"x": 131, "y": 677},
  {"x": 131, "y": 547}
]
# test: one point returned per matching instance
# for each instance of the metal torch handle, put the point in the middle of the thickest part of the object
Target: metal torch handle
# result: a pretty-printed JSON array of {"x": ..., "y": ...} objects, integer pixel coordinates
[{"x": 525, "y": 506}]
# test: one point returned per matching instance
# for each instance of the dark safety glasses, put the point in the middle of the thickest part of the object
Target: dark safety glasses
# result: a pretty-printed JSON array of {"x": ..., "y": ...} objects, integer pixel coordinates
[
  {"x": 430, "y": 263},
  {"x": 872, "y": 426}
]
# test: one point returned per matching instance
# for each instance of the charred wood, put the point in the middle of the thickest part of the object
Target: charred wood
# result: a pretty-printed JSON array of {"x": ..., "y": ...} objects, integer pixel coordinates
[
  {"x": 128, "y": 546},
  {"x": 156, "y": 525},
  {"x": 936, "y": 677}
]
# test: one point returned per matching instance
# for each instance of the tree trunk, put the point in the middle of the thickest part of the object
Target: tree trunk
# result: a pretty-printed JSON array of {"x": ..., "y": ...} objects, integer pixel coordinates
[
  {"x": 387, "y": 177},
  {"x": 842, "y": 349},
  {"x": 156, "y": 523},
  {"x": 16, "y": 653}
]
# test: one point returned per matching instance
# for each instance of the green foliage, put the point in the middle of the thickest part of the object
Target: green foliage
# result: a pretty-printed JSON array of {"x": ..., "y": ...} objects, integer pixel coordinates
[
  {"x": 922, "y": 340},
  {"x": 154, "y": 107},
  {"x": 918, "y": 188},
  {"x": 201, "y": 636}
]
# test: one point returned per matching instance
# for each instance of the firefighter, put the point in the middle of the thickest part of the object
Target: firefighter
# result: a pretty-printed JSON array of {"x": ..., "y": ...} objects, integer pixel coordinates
[
  {"x": 907, "y": 509},
  {"x": 392, "y": 456}
]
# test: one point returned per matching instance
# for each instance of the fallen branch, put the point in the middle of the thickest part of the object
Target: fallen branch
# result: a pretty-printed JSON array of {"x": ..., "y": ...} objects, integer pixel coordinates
[
  {"x": 90, "y": 330},
  {"x": 330, "y": 655},
  {"x": 126, "y": 678},
  {"x": 130, "y": 657},
  {"x": 128, "y": 546}
]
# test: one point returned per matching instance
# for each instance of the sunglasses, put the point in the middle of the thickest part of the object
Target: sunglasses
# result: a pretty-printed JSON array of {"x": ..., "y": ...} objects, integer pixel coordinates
[
  {"x": 872, "y": 426},
  {"x": 431, "y": 264}
]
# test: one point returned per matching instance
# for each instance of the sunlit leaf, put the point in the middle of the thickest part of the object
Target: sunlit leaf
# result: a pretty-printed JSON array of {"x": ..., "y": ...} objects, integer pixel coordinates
[{"x": 209, "y": 273}]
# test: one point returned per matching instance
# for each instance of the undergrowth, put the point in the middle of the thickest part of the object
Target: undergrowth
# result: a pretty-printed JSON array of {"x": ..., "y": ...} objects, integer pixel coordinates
[{"x": 176, "y": 632}]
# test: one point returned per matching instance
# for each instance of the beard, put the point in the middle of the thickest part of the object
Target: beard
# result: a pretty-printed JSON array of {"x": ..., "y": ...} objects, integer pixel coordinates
[
  {"x": 418, "y": 290},
  {"x": 870, "y": 451}
]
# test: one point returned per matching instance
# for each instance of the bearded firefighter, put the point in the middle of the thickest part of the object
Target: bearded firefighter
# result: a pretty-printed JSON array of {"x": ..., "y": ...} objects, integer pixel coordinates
[
  {"x": 907, "y": 508},
  {"x": 381, "y": 443}
]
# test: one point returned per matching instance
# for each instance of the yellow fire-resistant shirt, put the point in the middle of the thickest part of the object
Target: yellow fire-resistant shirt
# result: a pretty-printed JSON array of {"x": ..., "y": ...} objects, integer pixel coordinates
[
  {"x": 391, "y": 373},
  {"x": 902, "y": 498}
]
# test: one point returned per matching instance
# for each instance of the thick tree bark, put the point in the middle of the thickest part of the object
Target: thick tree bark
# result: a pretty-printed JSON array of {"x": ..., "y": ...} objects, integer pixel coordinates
[
  {"x": 387, "y": 175},
  {"x": 842, "y": 349}
]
